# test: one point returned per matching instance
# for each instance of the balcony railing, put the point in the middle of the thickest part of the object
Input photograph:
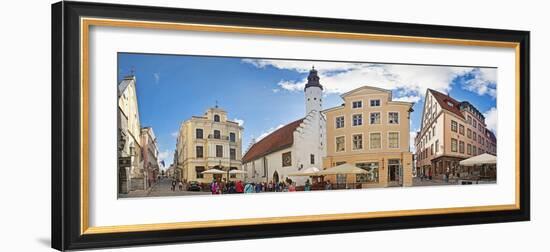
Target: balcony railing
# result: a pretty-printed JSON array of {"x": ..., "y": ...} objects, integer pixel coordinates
[{"x": 221, "y": 137}]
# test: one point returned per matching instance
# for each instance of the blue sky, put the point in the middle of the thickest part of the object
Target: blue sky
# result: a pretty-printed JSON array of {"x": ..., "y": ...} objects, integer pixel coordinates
[{"x": 264, "y": 94}]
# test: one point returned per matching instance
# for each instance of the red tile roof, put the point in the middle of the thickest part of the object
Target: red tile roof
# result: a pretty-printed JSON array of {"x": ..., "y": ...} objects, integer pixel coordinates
[
  {"x": 444, "y": 101},
  {"x": 278, "y": 140}
]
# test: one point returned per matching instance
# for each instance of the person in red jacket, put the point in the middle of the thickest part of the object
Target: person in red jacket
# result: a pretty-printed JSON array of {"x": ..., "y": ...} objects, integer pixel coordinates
[{"x": 239, "y": 187}]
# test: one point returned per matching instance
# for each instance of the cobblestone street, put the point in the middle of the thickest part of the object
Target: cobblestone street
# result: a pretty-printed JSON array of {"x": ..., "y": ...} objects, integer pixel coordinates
[{"x": 161, "y": 188}]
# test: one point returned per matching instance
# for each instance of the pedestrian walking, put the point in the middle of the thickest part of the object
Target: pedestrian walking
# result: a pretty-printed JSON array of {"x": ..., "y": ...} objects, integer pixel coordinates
[
  {"x": 248, "y": 188},
  {"x": 214, "y": 187},
  {"x": 258, "y": 188},
  {"x": 270, "y": 186},
  {"x": 173, "y": 185},
  {"x": 180, "y": 184},
  {"x": 292, "y": 187},
  {"x": 239, "y": 187},
  {"x": 328, "y": 185}
]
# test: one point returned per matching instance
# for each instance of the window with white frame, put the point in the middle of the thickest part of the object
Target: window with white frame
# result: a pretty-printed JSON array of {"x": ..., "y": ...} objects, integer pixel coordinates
[
  {"x": 339, "y": 122},
  {"x": 375, "y": 141},
  {"x": 393, "y": 140},
  {"x": 340, "y": 143},
  {"x": 375, "y": 103},
  {"x": 219, "y": 151},
  {"x": 357, "y": 119},
  {"x": 375, "y": 118},
  {"x": 393, "y": 117},
  {"x": 358, "y": 142},
  {"x": 357, "y": 104}
]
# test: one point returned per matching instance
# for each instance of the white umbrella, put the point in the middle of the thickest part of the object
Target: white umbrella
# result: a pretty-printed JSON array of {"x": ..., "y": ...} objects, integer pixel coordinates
[
  {"x": 213, "y": 171},
  {"x": 342, "y": 169},
  {"x": 479, "y": 160},
  {"x": 311, "y": 171},
  {"x": 237, "y": 172}
]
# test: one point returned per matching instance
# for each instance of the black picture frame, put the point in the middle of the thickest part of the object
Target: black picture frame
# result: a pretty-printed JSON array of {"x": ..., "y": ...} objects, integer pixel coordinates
[{"x": 66, "y": 114}]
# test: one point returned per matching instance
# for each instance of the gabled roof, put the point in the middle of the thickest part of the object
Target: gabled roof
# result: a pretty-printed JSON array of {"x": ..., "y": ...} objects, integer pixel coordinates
[
  {"x": 278, "y": 140},
  {"x": 445, "y": 102},
  {"x": 367, "y": 87},
  {"x": 124, "y": 84}
]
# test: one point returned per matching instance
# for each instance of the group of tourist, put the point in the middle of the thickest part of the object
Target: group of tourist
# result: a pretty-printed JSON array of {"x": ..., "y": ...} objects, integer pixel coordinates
[{"x": 223, "y": 187}]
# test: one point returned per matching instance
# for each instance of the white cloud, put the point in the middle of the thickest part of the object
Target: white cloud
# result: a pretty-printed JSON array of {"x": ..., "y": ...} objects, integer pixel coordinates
[
  {"x": 167, "y": 156},
  {"x": 410, "y": 98},
  {"x": 164, "y": 154},
  {"x": 412, "y": 135},
  {"x": 275, "y": 90},
  {"x": 483, "y": 82},
  {"x": 239, "y": 121},
  {"x": 269, "y": 131},
  {"x": 157, "y": 77},
  {"x": 175, "y": 134},
  {"x": 491, "y": 119},
  {"x": 411, "y": 80}
]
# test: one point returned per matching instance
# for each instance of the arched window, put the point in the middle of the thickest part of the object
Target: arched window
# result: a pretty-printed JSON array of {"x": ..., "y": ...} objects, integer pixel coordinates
[{"x": 216, "y": 118}]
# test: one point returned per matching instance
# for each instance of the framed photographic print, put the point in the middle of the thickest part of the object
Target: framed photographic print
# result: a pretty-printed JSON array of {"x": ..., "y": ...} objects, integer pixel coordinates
[{"x": 180, "y": 125}]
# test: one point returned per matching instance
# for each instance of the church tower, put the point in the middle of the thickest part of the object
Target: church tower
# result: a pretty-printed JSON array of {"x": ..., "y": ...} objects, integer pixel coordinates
[{"x": 313, "y": 92}]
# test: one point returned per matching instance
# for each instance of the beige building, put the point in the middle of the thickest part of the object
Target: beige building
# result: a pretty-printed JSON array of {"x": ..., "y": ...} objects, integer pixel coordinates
[
  {"x": 206, "y": 142},
  {"x": 150, "y": 155},
  {"x": 450, "y": 131},
  {"x": 370, "y": 131},
  {"x": 131, "y": 175}
]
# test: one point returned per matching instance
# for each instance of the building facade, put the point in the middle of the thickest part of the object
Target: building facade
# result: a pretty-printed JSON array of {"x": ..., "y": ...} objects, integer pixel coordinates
[
  {"x": 150, "y": 155},
  {"x": 130, "y": 161},
  {"x": 206, "y": 142},
  {"x": 370, "y": 131},
  {"x": 450, "y": 132},
  {"x": 296, "y": 146}
]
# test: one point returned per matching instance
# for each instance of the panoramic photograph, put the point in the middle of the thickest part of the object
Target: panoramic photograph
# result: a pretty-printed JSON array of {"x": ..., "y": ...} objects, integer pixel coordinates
[{"x": 193, "y": 125}]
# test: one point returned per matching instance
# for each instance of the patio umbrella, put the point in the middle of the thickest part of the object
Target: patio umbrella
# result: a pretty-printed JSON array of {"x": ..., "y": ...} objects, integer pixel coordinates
[
  {"x": 237, "y": 172},
  {"x": 311, "y": 171},
  {"x": 342, "y": 169},
  {"x": 213, "y": 171},
  {"x": 479, "y": 160}
]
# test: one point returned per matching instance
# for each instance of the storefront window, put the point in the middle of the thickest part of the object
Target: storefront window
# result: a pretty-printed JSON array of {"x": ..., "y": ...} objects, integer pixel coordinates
[
  {"x": 340, "y": 178},
  {"x": 371, "y": 175}
]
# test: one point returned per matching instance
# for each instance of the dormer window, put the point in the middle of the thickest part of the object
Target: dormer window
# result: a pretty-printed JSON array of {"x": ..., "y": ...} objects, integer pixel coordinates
[
  {"x": 216, "y": 118},
  {"x": 450, "y": 103}
]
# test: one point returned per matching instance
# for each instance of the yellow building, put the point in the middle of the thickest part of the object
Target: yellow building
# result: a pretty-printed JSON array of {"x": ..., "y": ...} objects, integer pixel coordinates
[
  {"x": 370, "y": 131},
  {"x": 206, "y": 142}
]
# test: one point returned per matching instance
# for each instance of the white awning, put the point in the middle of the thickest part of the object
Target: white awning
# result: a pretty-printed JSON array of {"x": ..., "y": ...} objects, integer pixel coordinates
[{"x": 479, "y": 160}]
